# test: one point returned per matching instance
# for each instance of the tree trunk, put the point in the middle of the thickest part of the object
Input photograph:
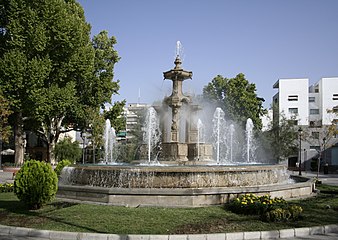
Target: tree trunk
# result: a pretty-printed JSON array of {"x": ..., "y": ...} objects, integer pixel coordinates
[
  {"x": 52, "y": 135},
  {"x": 50, "y": 151},
  {"x": 19, "y": 139}
]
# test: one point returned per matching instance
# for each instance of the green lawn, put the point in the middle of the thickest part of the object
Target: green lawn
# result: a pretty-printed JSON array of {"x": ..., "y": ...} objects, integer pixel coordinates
[{"x": 320, "y": 210}]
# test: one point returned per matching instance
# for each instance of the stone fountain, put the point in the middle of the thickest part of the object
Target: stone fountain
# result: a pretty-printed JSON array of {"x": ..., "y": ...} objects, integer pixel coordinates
[
  {"x": 180, "y": 146},
  {"x": 188, "y": 176}
]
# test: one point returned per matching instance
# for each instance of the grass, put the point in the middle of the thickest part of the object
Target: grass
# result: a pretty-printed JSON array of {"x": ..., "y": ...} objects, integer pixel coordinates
[{"x": 62, "y": 216}]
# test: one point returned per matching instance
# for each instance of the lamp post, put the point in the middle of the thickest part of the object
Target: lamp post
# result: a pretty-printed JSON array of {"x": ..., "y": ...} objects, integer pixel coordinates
[
  {"x": 0, "y": 151},
  {"x": 324, "y": 157},
  {"x": 326, "y": 166},
  {"x": 300, "y": 150}
]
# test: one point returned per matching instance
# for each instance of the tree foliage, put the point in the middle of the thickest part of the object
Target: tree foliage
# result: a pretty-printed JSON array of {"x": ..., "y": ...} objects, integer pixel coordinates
[
  {"x": 5, "y": 129},
  {"x": 237, "y": 97},
  {"x": 50, "y": 70},
  {"x": 114, "y": 114},
  {"x": 281, "y": 138},
  {"x": 66, "y": 149}
]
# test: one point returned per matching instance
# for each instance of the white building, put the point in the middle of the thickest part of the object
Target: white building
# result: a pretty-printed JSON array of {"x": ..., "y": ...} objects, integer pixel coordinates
[
  {"x": 132, "y": 113},
  {"x": 308, "y": 106}
]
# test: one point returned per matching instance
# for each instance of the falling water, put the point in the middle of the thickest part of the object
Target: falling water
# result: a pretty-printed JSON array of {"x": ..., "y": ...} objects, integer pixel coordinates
[
  {"x": 151, "y": 133},
  {"x": 250, "y": 148},
  {"x": 199, "y": 137},
  {"x": 232, "y": 130},
  {"x": 109, "y": 142},
  {"x": 218, "y": 122}
]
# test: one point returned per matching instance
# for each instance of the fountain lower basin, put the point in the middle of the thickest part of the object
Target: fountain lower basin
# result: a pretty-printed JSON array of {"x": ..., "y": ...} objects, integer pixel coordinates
[{"x": 175, "y": 186}]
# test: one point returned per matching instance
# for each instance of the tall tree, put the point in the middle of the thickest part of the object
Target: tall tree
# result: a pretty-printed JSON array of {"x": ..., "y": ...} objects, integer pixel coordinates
[
  {"x": 85, "y": 90},
  {"x": 281, "y": 138},
  {"x": 22, "y": 70},
  {"x": 49, "y": 68},
  {"x": 237, "y": 97}
]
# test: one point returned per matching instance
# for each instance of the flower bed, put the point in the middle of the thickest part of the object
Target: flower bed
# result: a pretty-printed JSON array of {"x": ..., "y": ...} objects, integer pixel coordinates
[
  {"x": 6, "y": 187},
  {"x": 269, "y": 209}
]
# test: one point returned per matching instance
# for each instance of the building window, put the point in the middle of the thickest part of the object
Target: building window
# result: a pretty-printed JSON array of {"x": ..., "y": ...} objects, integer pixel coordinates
[
  {"x": 314, "y": 111},
  {"x": 315, "y": 135},
  {"x": 312, "y": 99},
  {"x": 335, "y": 96},
  {"x": 293, "y": 122},
  {"x": 293, "y": 98},
  {"x": 293, "y": 110},
  {"x": 317, "y": 148},
  {"x": 315, "y": 124}
]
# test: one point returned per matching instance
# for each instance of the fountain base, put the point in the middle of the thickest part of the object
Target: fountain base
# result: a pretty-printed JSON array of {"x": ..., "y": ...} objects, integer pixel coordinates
[
  {"x": 175, "y": 186},
  {"x": 177, "y": 197}
]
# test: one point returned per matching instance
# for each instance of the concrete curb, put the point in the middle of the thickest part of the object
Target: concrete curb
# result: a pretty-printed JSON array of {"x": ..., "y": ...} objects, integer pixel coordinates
[{"x": 276, "y": 234}]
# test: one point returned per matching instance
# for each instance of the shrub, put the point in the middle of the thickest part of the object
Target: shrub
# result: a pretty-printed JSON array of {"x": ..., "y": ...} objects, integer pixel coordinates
[
  {"x": 6, "y": 187},
  {"x": 61, "y": 165},
  {"x": 35, "y": 184}
]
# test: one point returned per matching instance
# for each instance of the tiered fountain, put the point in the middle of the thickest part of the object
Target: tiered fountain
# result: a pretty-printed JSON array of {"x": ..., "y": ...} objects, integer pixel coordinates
[{"x": 190, "y": 172}]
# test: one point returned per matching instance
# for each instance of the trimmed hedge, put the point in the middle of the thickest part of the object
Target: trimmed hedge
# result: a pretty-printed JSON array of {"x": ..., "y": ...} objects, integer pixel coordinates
[{"x": 35, "y": 184}]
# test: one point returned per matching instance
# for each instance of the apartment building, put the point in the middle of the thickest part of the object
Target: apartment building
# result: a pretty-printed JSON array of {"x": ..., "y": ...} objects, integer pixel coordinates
[
  {"x": 132, "y": 112},
  {"x": 308, "y": 107}
]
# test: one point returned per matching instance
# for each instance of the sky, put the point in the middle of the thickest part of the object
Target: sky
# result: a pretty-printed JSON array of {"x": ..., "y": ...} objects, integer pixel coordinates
[{"x": 264, "y": 39}]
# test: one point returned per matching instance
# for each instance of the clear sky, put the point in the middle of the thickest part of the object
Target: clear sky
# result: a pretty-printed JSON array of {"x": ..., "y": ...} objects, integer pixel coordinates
[{"x": 264, "y": 39}]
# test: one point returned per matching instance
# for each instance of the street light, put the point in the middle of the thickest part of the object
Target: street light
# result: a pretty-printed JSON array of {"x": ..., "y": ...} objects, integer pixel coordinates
[
  {"x": 300, "y": 150},
  {"x": 326, "y": 166},
  {"x": 324, "y": 157}
]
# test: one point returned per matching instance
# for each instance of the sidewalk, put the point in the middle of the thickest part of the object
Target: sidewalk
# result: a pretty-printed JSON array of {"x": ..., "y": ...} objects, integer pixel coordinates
[
  {"x": 329, "y": 179},
  {"x": 318, "y": 233}
]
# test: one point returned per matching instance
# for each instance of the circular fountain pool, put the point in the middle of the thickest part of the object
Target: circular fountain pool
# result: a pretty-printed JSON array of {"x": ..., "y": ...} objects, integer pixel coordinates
[{"x": 175, "y": 186}]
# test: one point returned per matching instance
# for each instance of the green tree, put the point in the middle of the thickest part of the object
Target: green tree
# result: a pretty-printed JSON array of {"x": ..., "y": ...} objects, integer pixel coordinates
[
  {"x": 281, "y": 138},
  {"x": 237, "y": 97},
  {"x": 5, "y": 111},
  {"x": 114, "y": 114},
  {"x": 49, "y": 69},
  {"x": 65, "y": 149}
]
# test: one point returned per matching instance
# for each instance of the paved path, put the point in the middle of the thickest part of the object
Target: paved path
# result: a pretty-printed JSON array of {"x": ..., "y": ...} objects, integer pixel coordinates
[
  {"x": 330, "y": 179},
  {"x": 331, "y": 236},
  {"x": 11, "y": 237}
]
